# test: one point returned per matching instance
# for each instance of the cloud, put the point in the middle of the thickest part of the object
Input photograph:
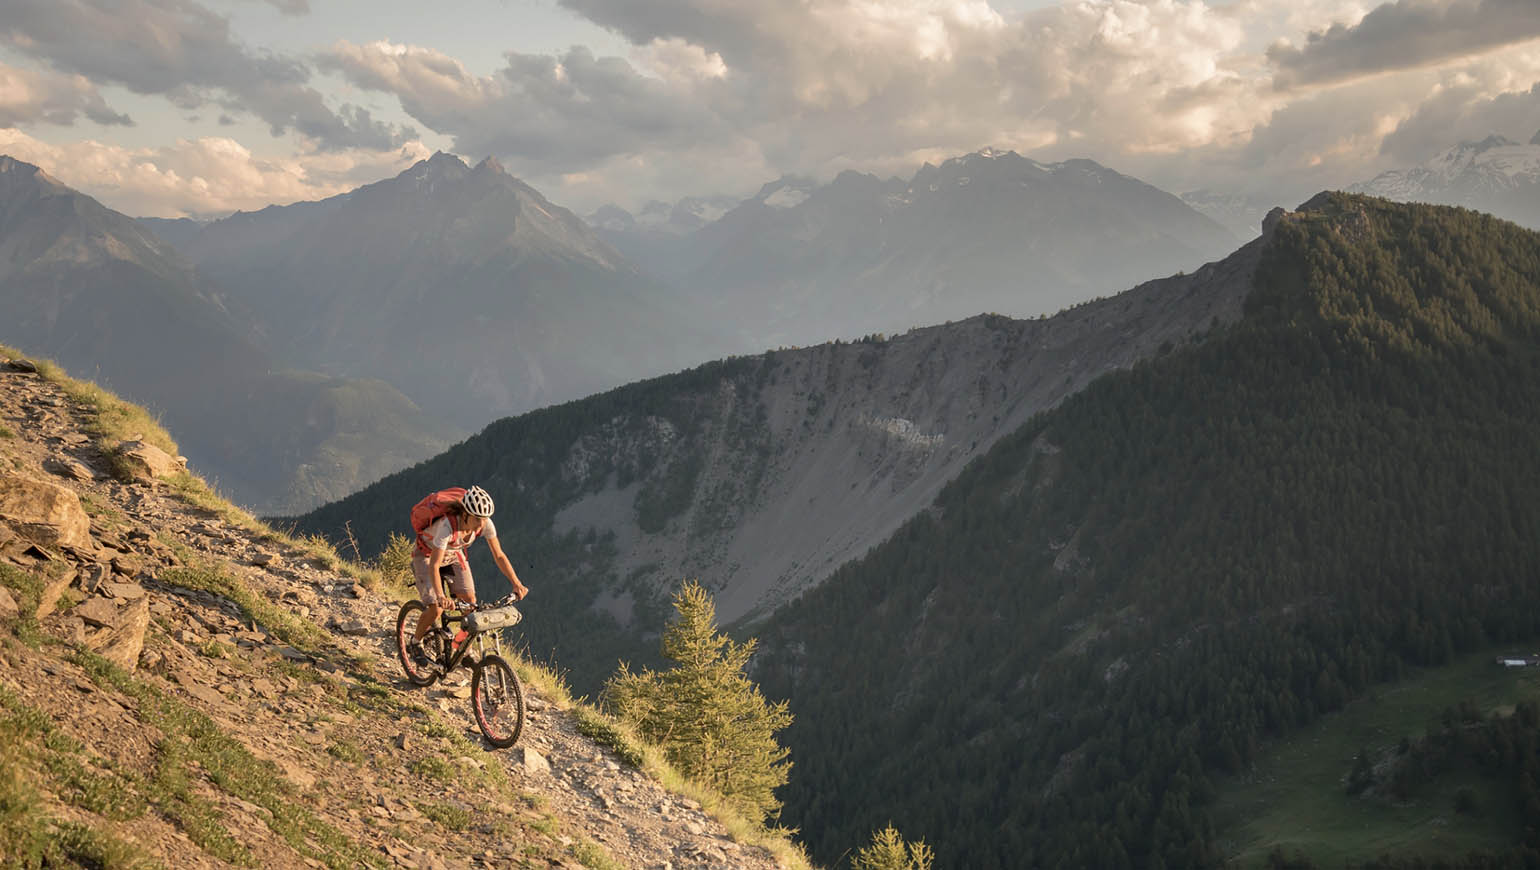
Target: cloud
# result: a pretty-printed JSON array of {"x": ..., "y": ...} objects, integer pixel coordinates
[
  {"x": 290, "y": 7},
  {"x": 810, "y": 86},
  {"x": 205, "y": 176},
  {"x": 567, "y": 112},
  {"x": 1405, "y": 34},
  {"x": 1500, "y": 95},
  {"x": 185, "y": 52},
  {"x": 29, "y": 97}
]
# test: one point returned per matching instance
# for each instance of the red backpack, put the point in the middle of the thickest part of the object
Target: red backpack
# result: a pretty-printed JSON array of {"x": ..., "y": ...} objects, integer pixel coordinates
[{"x": 428, "y": 511}]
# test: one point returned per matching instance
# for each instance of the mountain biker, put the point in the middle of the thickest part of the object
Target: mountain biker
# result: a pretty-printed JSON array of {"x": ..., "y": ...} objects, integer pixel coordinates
[{"x": 440, "y": 555}]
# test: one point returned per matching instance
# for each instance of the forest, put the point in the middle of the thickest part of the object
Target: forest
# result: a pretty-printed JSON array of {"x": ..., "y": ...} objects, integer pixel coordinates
[{"x": 1124, "y": 600}]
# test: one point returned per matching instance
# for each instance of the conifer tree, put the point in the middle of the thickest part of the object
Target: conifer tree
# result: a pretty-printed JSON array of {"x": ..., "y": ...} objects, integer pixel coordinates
[
  {"x": 888, "y": 851},
  {"x": 710, "y": 719}
]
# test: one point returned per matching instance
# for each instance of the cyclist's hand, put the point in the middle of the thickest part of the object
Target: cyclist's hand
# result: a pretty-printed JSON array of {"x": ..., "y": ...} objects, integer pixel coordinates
[{"x": 519, "y": 591}]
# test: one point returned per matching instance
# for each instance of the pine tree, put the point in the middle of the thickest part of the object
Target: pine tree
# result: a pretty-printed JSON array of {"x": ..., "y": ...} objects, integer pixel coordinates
[
  {"x": 710, "y": 719},
  {"x": 888, "y": 851}
]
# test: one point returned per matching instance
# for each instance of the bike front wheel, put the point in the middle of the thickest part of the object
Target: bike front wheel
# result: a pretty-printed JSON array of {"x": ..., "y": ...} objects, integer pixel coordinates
[
  {"x": 422, "y": 668},
  {"x": 498, "y": 701}
]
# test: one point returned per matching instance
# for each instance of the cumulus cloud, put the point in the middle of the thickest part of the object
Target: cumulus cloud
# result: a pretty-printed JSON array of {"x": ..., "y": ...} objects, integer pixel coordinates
[
  {"x": 567, "y": 112},
  {"x": 205, "y": 176},
  {"x": 1500, "y": 94},
  {"x": 185, "y": 52},
  {"x": 813, "y": 86},
  {"x": 1405, "y": 34},
  {"x": 28, "y": 96}
]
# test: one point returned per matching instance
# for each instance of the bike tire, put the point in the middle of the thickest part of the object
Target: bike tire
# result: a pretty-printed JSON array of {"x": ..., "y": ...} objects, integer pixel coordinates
[
  {"x": 418, "y": 673},
  {"x": 497, "y": 699}
]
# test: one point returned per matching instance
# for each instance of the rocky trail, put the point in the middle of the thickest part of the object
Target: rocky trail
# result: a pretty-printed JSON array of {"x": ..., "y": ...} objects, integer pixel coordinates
[{"x": 253, "y": 712}]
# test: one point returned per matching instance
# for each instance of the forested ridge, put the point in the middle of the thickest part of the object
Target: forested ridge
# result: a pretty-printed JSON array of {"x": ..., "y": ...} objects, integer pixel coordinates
[{"x": 1122, "y": 600}]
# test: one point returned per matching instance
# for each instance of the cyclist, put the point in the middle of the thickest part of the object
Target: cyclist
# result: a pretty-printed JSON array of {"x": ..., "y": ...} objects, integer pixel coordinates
[{"x": 440, "y": 555}]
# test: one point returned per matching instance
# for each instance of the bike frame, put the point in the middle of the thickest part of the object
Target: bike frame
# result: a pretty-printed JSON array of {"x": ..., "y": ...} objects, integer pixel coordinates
[{"x": 479, "y": 637}]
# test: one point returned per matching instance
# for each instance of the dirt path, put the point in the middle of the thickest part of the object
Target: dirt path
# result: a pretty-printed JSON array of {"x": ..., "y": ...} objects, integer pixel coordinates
[{"x": 325, "y": 731}]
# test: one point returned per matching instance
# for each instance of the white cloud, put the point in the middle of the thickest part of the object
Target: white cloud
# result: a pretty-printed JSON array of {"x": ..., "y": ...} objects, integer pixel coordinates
[
  {"x": 185, "y": 52},
  {"x": 1405, "y": 34},
  {"x": 29, "y": 96},
  {"x": 202, "y": 176}
]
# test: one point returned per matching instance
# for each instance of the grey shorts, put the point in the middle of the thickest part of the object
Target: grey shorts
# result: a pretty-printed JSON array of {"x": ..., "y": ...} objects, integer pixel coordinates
[{"x": 458, "y": 578}]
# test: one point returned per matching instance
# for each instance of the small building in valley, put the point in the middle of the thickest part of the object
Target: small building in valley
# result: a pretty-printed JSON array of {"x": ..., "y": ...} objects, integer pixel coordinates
[{"x": 1529, "y": 661}]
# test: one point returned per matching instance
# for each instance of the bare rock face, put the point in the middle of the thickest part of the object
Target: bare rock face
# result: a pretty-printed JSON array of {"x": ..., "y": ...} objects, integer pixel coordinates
[
  {"x": 9, "y": 609},
  {"x": 145, "y": 461},
  {"x": 51, "y": 592},
  {"x": 127, "y": 640},
  {"x": 68, "y": 467},
  {"x": 45, "y": 513}
]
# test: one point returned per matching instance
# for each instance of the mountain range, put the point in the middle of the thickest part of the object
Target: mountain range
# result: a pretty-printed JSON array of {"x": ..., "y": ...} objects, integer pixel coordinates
[
  {"x": 461, "y": 286},
  {"x": 1495, "y": 175},
  {"x": 991, "y": 231},
  {"x": 94, "y": 290}
]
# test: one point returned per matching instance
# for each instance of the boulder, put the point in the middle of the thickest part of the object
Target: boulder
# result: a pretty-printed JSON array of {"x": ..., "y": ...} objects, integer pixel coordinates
[
  {"x": 21, "y": 365},
  {"x": 530, "y": 762},
  {"x": 54, "y": 585},
  {"x": 145, "y": 461},
  {"x": 68, "y": 467},
  {"x": 9, "y": 609},
  {"x": 44, "y": 513},
  {"x": 94, "y": 575},
  {"x": 127, "y": 640},
  {"x": 99, "y": 611}
]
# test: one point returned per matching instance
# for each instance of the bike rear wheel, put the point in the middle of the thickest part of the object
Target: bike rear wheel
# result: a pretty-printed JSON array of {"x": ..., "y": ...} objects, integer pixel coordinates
[
  {"x": 424, "y": 669},
  {"x": 498, "y": 701}
]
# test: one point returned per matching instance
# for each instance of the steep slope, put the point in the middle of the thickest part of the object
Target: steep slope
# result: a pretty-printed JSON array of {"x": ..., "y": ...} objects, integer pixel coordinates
[
  {"x": 463, "y": 287},
  {"x": 1134, "y": 591},
  {"x": 761, "y": 475},
  {"x": 182, "y": 688},
  {"x": 1495, "y": 175},
  {"x": 987, "y": 232},
  {"x": 96, "y": 291}
]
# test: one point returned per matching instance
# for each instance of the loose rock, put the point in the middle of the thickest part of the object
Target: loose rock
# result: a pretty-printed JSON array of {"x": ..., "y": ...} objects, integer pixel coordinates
[
  {"x": 45, "y": 513},
  {"x": 146, "y": 461}
]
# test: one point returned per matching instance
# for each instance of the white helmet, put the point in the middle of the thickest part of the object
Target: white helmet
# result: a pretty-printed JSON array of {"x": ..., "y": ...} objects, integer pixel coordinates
[{"x": 477, "y": 502}]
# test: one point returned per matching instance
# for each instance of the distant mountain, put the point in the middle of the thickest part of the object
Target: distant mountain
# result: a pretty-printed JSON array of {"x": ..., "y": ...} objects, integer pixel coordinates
[
  {"x": 463, "y": 287},
  {"x": 992, "y": 231},
  {"x": 94, "y": 290},
  {"x": 656, "y": 237},
  {"x": 1496, "y": 175},
  {"x": 761, "y": 475},
  {"x": 1240, "y": 214}
]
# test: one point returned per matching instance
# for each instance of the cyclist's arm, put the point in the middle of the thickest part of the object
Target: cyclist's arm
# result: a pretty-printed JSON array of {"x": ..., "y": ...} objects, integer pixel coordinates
[{"x": 505, "y": 566}]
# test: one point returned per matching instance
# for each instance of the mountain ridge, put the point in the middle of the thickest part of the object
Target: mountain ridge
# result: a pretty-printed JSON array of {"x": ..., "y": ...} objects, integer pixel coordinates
[
  {"x": 98, "y": 292},
  {"x": 371, "y": 282}
]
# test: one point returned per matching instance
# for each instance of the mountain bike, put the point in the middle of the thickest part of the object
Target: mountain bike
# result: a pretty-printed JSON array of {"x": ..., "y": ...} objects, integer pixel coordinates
[{"x": 497, "y": 697}]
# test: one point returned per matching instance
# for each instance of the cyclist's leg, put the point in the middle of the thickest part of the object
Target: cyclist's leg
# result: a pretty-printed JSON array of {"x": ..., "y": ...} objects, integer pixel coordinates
[
  {"x": 461, "y": 584},
  {"x": 429, "y": 593}
]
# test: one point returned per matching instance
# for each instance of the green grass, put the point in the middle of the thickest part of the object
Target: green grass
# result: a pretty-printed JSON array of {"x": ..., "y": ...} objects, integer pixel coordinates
[
  {"x": 6, "y": 431},
  {"x": 450, "y": 816},
  {"x": 32, "y": 752},
  {"x": 295, "y": 631},
  {"x": 1295, "y": 796},
  {"x": 192, "y": 738}
]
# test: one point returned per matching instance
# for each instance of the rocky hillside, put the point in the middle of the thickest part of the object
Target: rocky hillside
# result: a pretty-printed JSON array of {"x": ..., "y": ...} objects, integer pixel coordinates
[
  {"x": 89, "y": 287},
  {"x": 184, "y": 688},
  {"x": 761, "y": 475}
]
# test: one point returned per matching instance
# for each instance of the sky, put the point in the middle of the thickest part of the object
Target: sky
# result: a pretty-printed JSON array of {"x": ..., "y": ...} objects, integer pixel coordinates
[{"x": 204, "y": 107}]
